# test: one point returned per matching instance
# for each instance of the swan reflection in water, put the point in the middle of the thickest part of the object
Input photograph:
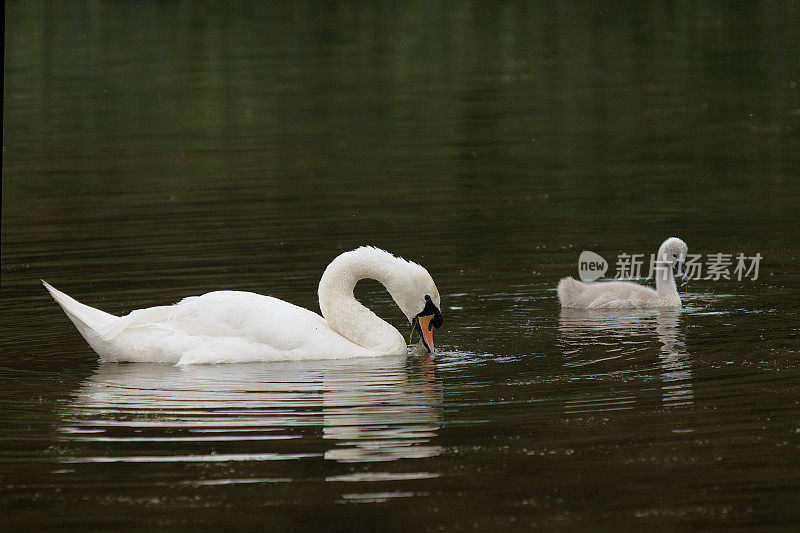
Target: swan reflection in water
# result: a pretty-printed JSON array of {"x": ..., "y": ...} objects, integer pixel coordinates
[
  {"x": 364, "y": 410},
  {"x": 381, "y": 420},
  {"x": 623, "y": 336}
]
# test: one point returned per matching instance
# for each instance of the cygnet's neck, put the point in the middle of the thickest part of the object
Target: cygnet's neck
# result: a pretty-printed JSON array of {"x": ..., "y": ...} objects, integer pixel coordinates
[
  {"x": 665, "y": 280},
  {"x": 346, "y": 315}
]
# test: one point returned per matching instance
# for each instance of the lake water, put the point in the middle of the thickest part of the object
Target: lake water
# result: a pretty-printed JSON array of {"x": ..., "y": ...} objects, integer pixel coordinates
[{"x": 155, "y": 150}]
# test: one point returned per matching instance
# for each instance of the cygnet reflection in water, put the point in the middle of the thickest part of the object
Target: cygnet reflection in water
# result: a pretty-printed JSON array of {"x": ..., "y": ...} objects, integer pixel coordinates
[{"x": 608, "y": 345}]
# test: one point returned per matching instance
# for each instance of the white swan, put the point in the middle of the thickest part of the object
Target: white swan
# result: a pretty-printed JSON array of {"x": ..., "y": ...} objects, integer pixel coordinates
[
  {"x": 236, "y": 327},
  {"x": 626, "y": 295}
]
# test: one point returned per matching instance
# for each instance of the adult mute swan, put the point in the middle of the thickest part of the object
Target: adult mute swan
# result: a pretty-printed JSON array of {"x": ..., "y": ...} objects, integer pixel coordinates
[
  {"x": 626, "y": 295},
  {"x": 238, "y": 327}
]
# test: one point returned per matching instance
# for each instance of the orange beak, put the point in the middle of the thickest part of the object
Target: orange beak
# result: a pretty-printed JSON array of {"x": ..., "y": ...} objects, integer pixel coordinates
[{"x": 426, "y": 329}]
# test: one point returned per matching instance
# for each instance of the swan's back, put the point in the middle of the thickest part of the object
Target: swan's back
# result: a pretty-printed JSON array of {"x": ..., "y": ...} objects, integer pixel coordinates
[
  {"x": 217, "y": 327},
  {"x": 225, "y": 326},
  {"x": 607, "y": 295}
]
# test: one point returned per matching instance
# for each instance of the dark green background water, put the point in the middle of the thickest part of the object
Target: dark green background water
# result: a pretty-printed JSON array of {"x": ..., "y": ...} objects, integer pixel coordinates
[{"x": 154, "y": 150}]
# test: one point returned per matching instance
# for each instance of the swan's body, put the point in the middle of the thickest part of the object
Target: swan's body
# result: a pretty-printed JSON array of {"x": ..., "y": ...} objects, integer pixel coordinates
[
  {"x": 625, "y": 294},
  {"x": 236, "y": 327}
]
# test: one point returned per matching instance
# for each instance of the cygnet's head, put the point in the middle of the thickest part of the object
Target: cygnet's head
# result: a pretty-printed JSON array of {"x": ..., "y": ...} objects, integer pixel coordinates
[{"x": 673, "y": 252}]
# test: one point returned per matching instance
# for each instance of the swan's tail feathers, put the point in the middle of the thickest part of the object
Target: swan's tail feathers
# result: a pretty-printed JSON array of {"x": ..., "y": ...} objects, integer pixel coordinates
[
  {"x": 86, "y": 319},
  {"x": 568, "y": 291}
]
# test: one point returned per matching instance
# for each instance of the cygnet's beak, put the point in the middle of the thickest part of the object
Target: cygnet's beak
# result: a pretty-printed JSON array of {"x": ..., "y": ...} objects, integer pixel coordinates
[
  {"x": 682, "y": 270},
  {"x": 425, "y": 326}
]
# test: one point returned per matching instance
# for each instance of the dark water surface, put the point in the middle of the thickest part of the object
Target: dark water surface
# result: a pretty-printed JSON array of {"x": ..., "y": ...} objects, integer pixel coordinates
[{"x": 157, "y": 150}]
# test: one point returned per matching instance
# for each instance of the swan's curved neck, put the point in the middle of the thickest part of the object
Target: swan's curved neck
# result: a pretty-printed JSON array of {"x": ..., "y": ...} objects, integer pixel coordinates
[
  {"x": 346, "y": 315},
  {"x": 665, "y": 281}
]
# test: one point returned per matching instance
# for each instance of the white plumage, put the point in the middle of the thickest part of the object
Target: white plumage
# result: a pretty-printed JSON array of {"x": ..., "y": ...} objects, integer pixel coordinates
[{"x": 236, "y": 327}]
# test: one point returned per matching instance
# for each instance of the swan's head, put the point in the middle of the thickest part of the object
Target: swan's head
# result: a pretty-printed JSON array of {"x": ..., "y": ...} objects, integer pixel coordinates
[
  {"x": 417, "y": 296},
  {"x": 673, "y": 252}
]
